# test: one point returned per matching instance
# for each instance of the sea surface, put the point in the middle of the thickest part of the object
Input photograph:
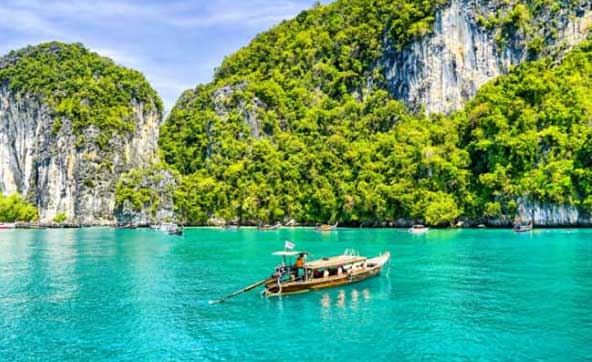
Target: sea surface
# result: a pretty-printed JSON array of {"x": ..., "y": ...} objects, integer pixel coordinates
[{"x": 139, "y": 295}]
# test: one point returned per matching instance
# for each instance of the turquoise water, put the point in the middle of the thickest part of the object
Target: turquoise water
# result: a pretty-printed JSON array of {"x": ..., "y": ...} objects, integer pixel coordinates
[{"x": 139, "y": 295}]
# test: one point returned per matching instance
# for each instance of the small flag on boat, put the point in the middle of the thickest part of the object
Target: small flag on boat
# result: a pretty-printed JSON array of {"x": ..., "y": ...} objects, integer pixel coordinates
[{"x": 289, "y": 245}]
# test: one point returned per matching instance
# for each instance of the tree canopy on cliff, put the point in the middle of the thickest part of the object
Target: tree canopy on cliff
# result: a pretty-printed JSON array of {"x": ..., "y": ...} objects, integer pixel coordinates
[
  {"x": 325, "y": 140},
  {"x": 299, "y": 124},
  {"x": 78, "y": 85},
  {"x": 529, "y": 135}
]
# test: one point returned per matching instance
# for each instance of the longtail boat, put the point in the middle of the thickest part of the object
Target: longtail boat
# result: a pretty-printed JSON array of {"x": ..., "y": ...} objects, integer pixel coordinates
[
  {"x": 522, "y": 227},
  {"x": 326, "y": 227},
  {"x": 178, "y": 230},
  {"x": 292, "y": 223},
  {"x": 418, "y": 229},
  {"x": 322, "y": 273},
  {"x": 7, "y": 226},
  {"x": 127, "y": 226},
  {"x": 269, "y": 227},
  {"x": 316, "y": 274}
]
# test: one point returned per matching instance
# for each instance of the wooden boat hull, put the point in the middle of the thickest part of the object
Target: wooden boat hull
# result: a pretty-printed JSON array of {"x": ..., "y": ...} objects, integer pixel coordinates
[{"x": 375, "y": 266}]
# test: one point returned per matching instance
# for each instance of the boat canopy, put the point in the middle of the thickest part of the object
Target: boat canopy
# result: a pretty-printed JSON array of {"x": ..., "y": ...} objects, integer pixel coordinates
[
  {"x": 334, "y": 261},
  {"x": 289, "y": 253}
]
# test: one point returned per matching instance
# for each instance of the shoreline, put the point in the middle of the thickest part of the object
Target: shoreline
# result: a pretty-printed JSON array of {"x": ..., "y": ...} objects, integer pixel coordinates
[{"x": 53, "y": 226}]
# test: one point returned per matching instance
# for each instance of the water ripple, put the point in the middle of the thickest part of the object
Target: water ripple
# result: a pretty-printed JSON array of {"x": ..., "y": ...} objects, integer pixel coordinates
[{"x": 118, "y": 295}]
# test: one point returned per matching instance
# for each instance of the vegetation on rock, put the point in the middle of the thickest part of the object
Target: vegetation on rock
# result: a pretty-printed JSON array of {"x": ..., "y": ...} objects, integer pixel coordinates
[
  {"x": 13, "y": 208},
  {"x": 60, "y": 218},
  {"x": 299, "y": 125},
  {"x": 78, "y": 85},
  {"x": 529, "y": 135},
  {"x": 145, "y": 190}
]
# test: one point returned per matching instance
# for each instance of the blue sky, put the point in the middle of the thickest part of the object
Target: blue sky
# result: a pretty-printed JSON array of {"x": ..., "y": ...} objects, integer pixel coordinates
[{"x": 176, "y": 44}]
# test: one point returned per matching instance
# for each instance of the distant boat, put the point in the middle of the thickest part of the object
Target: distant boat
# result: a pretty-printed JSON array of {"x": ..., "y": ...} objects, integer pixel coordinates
[
  {"x": 166, "y": 226},
  {"x": 269, "y": 227},
  {"x": 127, "y": 226},
  {"x": 178, "y": 230},
  {"x": 418, "y": 229},
  {"x": 292, "y": 223},
  {"x": 7, "y": 226},
  {"x": 326, "y": 227},
  {"x": 169, "y": 228},
  {"x": 522, "y": 227},
  {"x": 231, "y": 227}
]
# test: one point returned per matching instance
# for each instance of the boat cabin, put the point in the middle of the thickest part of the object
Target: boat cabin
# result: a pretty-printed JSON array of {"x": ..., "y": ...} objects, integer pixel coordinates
[{"x": 335, "y": 266}]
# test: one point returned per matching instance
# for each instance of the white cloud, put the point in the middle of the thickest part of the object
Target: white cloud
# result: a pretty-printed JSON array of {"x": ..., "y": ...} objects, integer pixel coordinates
[
  {"x": 15, "y": 19},
  {"x": 224, "y": 12},
  {"x": 120, "y": 57},
  {"x": 38, "y": 15},
  {"x": 175, "y": 43}
]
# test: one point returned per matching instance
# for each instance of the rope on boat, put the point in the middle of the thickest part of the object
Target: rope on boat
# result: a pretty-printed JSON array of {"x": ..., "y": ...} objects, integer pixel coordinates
[{"x": 279, "y": 292}]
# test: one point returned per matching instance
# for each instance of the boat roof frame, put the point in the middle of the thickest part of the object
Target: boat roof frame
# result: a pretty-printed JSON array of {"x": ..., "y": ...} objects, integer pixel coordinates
[
  {"x": 333, "y": 262},
  {"x": 289, "y": 253}
]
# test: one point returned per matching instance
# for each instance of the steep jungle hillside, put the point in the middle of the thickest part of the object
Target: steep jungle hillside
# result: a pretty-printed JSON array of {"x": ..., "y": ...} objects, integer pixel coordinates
[
  {"x": 320, "y": 119},
  {"x": 71, "y": 122},
  {"x": 529, "y": 136}
]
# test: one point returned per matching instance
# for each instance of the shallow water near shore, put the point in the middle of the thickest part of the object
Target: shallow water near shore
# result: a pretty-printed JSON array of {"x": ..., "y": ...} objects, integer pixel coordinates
[{"x": 102, "y": 294}]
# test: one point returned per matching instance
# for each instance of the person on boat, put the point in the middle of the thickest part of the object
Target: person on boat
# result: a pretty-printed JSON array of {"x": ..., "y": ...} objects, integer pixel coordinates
[{"x": 299, "y": 264}]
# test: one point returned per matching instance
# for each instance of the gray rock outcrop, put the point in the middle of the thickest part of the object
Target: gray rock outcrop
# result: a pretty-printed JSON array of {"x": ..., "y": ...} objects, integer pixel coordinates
[
  {"x": 444, "y": 69},
  {"x": 157, "y": 186},
  {"x": 63, "y": 172}
]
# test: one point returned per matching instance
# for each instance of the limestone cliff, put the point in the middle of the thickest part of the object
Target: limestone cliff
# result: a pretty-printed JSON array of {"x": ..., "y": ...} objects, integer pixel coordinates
[
  {"x": 320, "y": 118},
  {"x": 66, "y": 166},
  {"x": 474, "y": 41}
]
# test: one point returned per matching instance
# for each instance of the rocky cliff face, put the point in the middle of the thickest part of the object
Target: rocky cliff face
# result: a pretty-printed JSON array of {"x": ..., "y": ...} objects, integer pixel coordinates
[
  {"x": 146, "y": 196},
  {"x": 445, "y": 69},
  {"x": 62, "y": 172},
  {"x": 543, "y": 215},
  {"x": 553, "y": 215},
  {"x": 224, "y": 102}
]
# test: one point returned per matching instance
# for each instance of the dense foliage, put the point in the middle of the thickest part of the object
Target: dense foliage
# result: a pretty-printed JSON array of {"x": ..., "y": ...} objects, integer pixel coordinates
[
  {"x": 145, "y": 189},
  {"x": 327, "y": 142},
  {"x": 298, "y": 125},
  {"x": 529, "y": 135},
  {"x": 78, "y": 85},
  {"x": 60, "y": 218},
  {"x": 14, "y": 208}
]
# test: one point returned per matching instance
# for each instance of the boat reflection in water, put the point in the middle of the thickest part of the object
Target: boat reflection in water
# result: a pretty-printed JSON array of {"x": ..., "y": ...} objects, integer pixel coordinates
[{"x": 345, "y": 297}]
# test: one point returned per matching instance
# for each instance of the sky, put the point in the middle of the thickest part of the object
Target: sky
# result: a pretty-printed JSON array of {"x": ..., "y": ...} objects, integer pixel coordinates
[{"x": 176, "y": 44}]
